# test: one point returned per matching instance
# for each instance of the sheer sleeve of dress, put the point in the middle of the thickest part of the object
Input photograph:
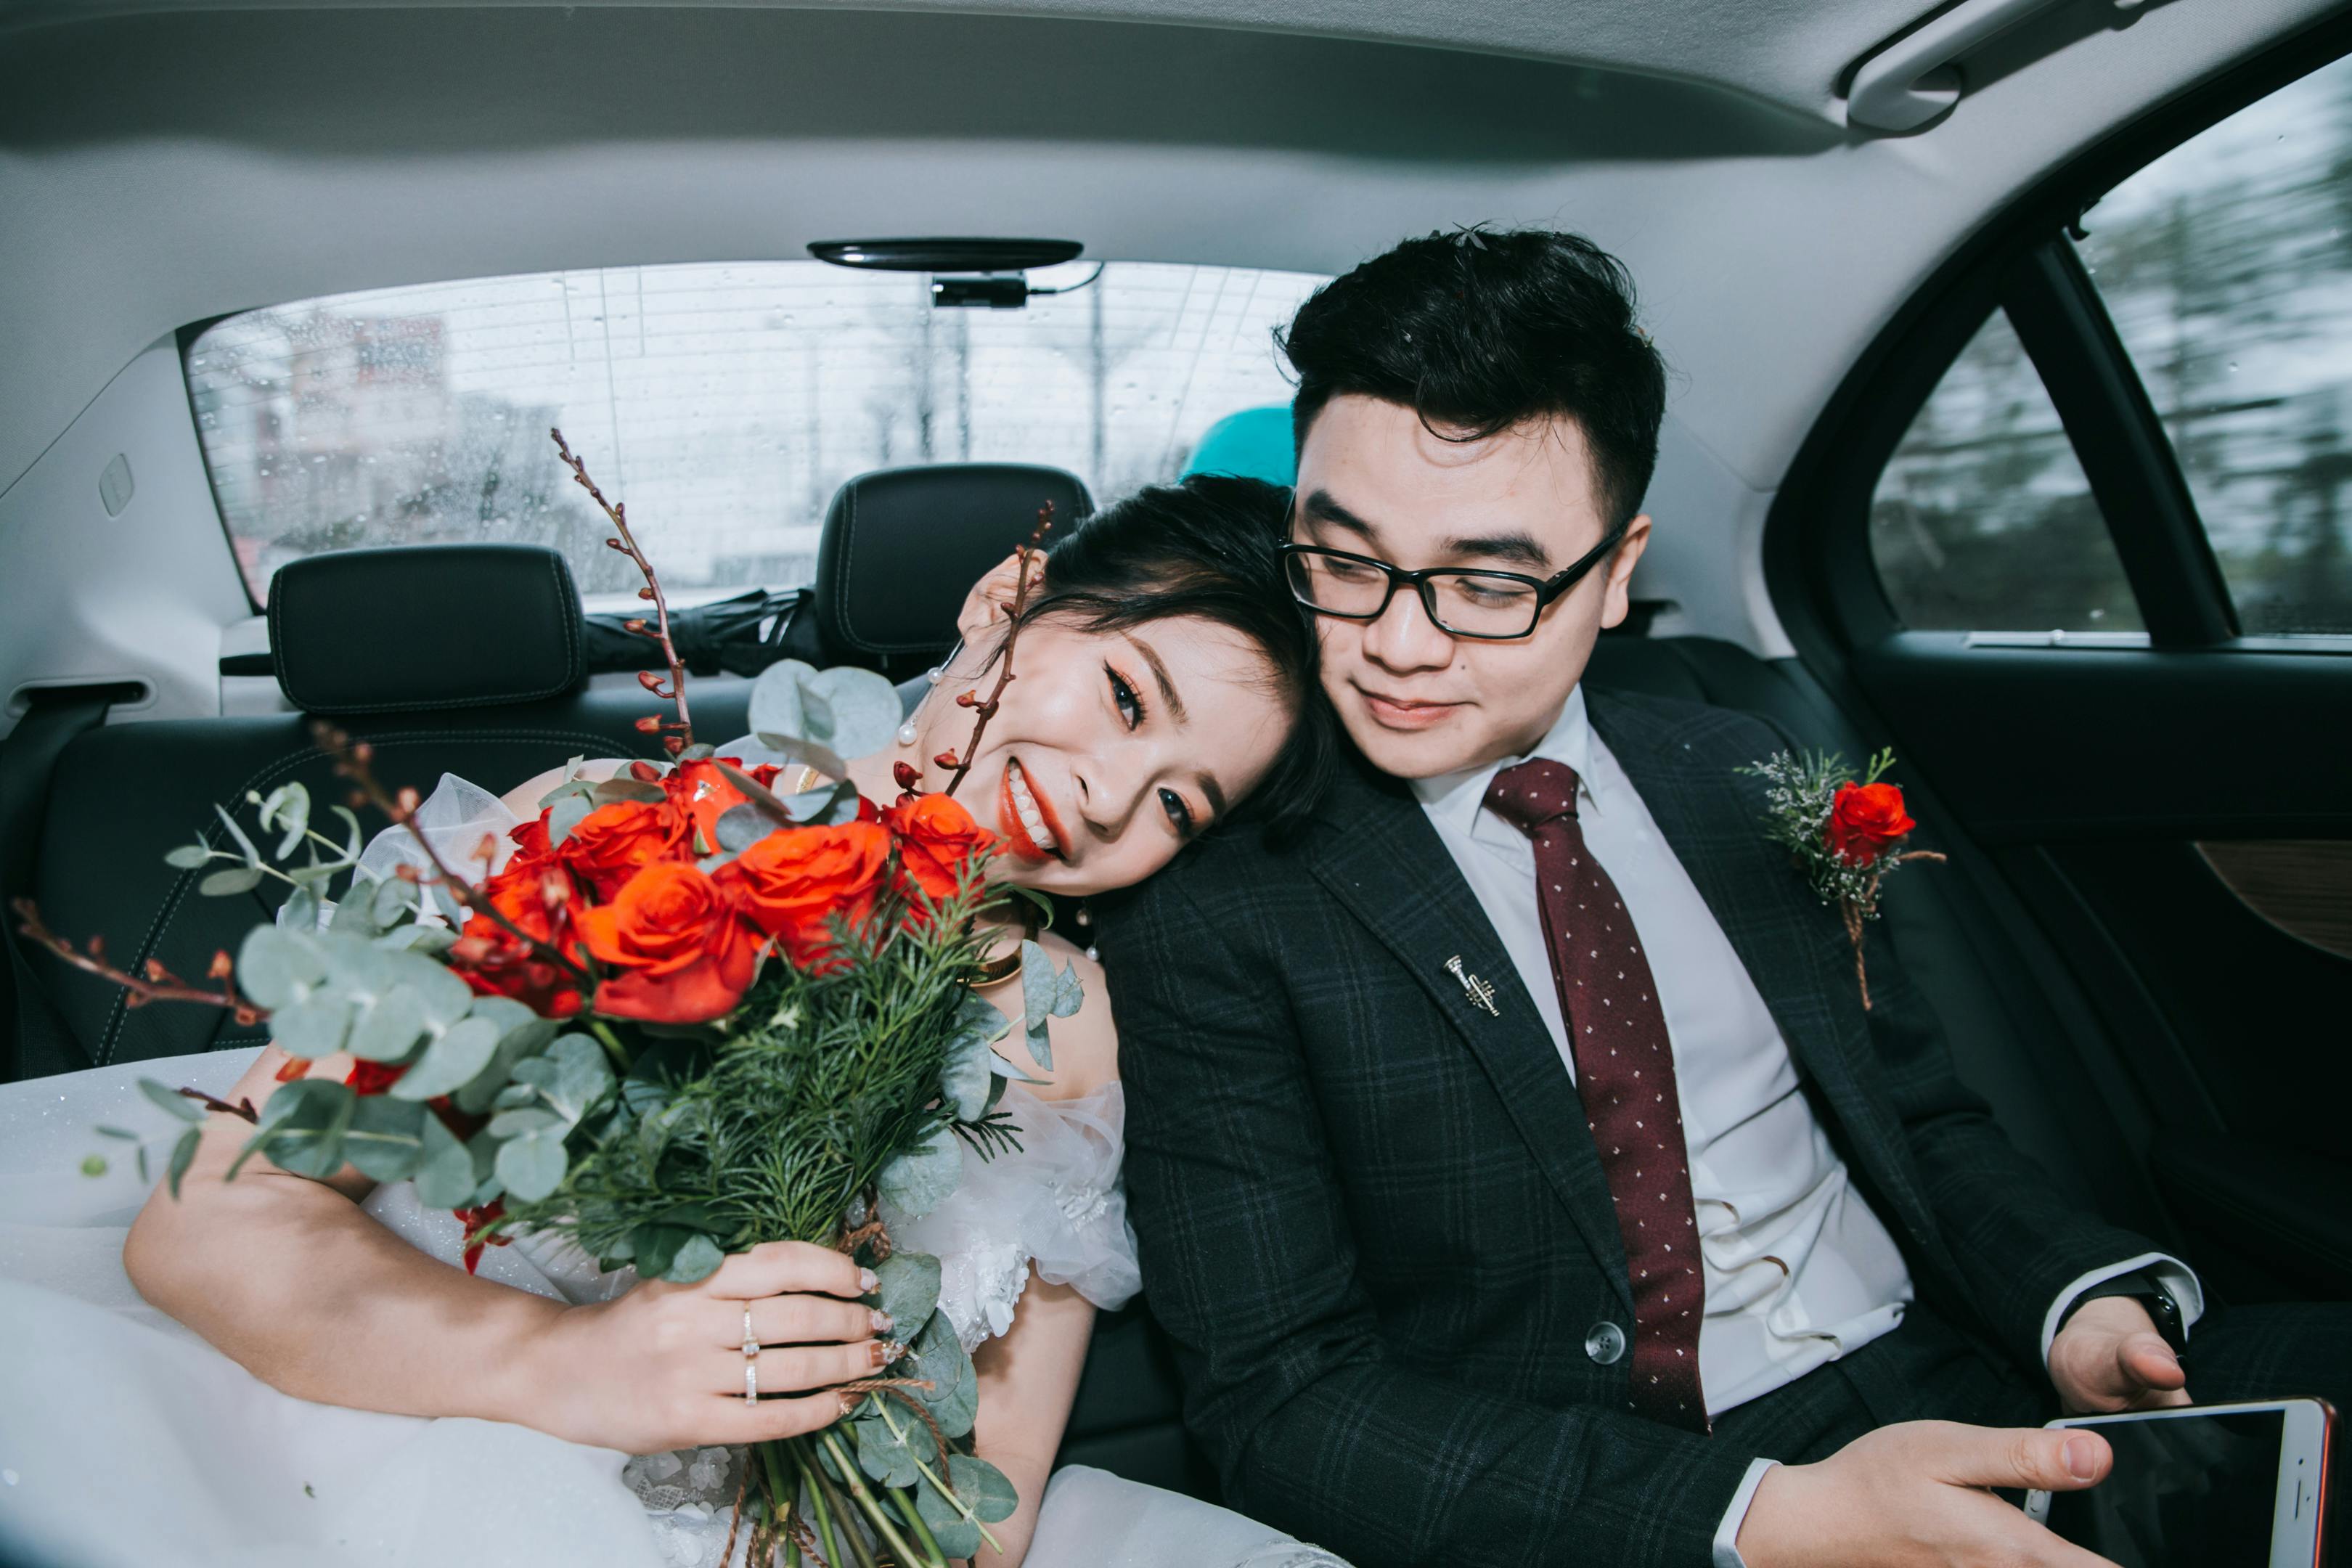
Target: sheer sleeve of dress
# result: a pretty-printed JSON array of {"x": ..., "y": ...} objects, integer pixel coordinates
[
  {"x": 1057, "y": 1200},
  {"x": 456, "y": 818}
]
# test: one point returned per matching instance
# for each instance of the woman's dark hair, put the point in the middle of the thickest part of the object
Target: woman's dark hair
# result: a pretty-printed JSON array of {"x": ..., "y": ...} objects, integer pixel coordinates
[
  {"x": 1478, "y": 333},
  {"x": 1205, "y": 548}
]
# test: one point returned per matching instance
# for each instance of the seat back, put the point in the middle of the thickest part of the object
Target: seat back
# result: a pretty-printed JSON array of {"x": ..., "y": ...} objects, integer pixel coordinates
[{"x": 902, "y": 547}]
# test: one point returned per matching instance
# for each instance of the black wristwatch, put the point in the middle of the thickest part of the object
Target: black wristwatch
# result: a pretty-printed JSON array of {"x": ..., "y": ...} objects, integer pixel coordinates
[{"x": 2150, "y": 1293}]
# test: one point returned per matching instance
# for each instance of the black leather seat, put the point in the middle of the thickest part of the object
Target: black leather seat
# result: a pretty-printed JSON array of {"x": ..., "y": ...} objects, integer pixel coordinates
[{"x": 902, "y": 546}]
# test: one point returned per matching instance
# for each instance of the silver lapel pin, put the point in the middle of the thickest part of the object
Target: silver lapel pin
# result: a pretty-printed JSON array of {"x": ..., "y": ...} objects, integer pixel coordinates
[{"x": 1481, "y": 994}]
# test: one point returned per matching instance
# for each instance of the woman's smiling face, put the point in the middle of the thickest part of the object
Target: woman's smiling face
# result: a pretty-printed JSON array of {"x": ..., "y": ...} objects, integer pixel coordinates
[{"x": 1109, "y": 750}]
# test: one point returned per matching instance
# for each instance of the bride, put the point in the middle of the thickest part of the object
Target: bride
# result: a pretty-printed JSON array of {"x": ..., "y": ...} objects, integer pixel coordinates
[{"x": 410, "y": 1412}]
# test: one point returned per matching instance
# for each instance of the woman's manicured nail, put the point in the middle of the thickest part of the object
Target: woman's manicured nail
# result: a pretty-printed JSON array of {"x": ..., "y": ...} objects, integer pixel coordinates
[
  {"x": 879, "y": 1319},
  {"x": 888, "y": 1351},
  {"x": 866, "y": 1281}
]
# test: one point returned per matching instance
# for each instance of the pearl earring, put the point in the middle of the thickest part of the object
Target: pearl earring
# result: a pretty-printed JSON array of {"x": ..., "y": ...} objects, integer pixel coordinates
[
  {"x": 1086, "y": 918},
  {"x": 906, "y": 734}
]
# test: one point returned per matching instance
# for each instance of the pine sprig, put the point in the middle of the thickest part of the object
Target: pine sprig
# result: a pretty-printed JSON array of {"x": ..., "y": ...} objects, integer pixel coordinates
[{"x": 1801, "y": 792}]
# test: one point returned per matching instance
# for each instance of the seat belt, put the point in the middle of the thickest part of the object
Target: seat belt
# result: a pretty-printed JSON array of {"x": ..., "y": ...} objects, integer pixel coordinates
[{"x": 42, "y": 1041}]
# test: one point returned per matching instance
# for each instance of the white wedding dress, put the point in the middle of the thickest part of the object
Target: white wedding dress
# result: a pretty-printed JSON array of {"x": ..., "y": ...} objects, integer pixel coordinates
[{"x": 128, "y": 1442}]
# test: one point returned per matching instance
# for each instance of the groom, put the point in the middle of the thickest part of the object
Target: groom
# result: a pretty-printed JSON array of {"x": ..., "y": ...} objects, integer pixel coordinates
[{"x": 1517, "y": 1171}]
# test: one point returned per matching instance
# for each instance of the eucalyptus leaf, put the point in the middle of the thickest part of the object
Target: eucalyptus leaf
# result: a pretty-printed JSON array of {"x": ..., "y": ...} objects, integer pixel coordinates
[
  {"x": 906, "y": 1287},
  {"x": 243, "y": 844},
  {"x": 570, "y": 784},
  {"x": 532, "y": 1165},
  {"x": 656, "y": 1246},
  {"x": 230, "y": 879},
  {"x": 1046, "y": 993},
  {"x": 301, "y": 910},
  {"x": 953, "y": 1399},
  {"x": 892, "y": 1457},
  {"x": 354, "y": 840},
  {"x": 462, "y": 1051},
  {"x": 445, "y": 1170},
  {"x": 391, "y": 899},
  {"x": 287, "y": 809},
  {"x": 827, "y": 807},
  {"x": 443, "y": 998},
  {"x": 698, "y": 1259},
  {"x": 921, "y": 1180},
  {"x": 307, "y": 1138},
  {"x": 389, "y": 1030},
  {"x": 314, "y": 1026},
  {"x": 741, "y": 826},
  {"x": 863, "y": 706},
  {"x": 982, "y": 1487},
  {"x": 353, "y": 916},
  {"x": 525, "y": 1035},
  {"x": 278, "y": 967},
  {"x": 183, "y": 1154},
  {"x": 583, "y": 1075},
  {"x": 182, "y": 1107},
  {"x": 526, "y": 1121},
  {"x": 963, "y": 1080},
  {"x": 566, "y": 815},
  {"x": 386, "y": 1137},
  {"x": 621, "y": 788},
  {"x": 414, "y": 937},
  {"x": 189, "y": 857}
]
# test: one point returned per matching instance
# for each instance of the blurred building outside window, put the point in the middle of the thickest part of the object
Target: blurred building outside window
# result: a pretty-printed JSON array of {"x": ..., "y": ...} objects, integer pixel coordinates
[{"x": 723, "y": 404}]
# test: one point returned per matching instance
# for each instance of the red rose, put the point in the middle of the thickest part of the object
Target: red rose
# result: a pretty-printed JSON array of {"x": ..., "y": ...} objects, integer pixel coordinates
[
  {"x": 475, "y": 1219},
  {"x": 531, "y": 847},
  {"x": 1864, "y": 819},
  {"x": 613, "y": 841},
  {"x": 677, "y": 944},
  {"x": 371, "y": 1078},
  {"x": 488, "y": 957},
  {"x": 795, "y": 880},
  {"x": 936, "y": 837},
  {"x": 702, "y": 795}
]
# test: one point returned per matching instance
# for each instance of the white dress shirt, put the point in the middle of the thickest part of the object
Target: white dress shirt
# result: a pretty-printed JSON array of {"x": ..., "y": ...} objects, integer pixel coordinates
[{"x": 1799, "y": 1271}]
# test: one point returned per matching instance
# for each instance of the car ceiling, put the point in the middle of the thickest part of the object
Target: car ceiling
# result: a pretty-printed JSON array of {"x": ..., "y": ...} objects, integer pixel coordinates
[{"x": 164, "y": 164}]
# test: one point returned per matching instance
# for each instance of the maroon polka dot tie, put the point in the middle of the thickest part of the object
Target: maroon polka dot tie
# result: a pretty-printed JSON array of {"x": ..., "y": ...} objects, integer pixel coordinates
[{"x": 1625, "y": 1076}]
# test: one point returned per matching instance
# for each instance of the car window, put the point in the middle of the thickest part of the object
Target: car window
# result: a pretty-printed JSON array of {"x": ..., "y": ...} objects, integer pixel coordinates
[
  {"x": 723, "y": 404},
  {"x": 2227, "y": 266},
  {"x": 1983, "y": 520}
]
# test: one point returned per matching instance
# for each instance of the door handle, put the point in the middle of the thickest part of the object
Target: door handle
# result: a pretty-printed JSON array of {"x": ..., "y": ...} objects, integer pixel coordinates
[{"x": 1912, "y": 80}]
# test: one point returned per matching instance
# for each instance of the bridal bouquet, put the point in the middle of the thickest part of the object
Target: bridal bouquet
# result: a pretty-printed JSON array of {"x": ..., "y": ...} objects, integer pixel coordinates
[{"x": 684, "y": 1017}]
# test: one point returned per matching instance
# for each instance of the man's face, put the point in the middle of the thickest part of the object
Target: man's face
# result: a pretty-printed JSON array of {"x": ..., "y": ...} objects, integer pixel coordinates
[{"x": 1374, "y": 481}]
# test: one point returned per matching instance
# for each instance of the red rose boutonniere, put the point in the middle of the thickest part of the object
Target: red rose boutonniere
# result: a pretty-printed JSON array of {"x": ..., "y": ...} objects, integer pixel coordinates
[{"x": 1845, "y": 835}]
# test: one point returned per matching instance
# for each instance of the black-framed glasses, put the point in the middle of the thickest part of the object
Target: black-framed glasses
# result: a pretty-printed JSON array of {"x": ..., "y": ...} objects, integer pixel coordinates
[{"x": 1492, "y": 605}]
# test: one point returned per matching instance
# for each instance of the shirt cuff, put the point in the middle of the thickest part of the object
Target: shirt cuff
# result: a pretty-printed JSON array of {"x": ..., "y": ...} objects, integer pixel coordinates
[
  {"x": 1727, "y": 1534},
  {"x": 2170, "y": 1273}
]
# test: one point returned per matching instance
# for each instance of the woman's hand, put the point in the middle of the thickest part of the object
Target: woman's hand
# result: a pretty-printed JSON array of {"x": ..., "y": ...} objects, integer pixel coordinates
[{"x": 662, "y": 1366}]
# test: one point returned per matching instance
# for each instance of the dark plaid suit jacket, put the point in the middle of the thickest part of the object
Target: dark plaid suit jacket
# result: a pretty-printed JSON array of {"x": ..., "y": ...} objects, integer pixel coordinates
[{"x": 1374, "y": 1222}]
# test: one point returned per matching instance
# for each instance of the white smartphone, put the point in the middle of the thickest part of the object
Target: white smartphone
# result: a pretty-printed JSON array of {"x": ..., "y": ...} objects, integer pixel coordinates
[{"x": 2205, "y": 1485}]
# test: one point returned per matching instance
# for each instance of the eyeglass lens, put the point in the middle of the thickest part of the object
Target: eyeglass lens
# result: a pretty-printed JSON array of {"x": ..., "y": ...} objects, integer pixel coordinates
[{"x": 1479, "y": 603}]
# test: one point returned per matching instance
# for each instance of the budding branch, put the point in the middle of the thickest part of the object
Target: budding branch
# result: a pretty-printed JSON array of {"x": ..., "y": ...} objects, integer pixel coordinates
[
  {"x": 982, "y": 712},
  {"x": 681, "y": 733}
]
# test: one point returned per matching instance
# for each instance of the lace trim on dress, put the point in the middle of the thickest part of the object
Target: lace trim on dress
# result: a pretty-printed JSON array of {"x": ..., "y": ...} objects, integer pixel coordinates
[{"x": 1055, "y": 1201}]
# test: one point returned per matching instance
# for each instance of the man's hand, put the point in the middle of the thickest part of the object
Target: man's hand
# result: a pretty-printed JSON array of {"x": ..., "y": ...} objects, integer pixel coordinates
[
  {"x": 1913, "y": 1494},
  {"x": 2110, "y": 1357}
]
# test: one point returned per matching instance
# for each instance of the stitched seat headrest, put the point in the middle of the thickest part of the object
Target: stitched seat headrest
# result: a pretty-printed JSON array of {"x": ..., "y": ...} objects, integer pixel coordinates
[
  {"x": 902, "y": 547},
  {"x": 412, "y": 627}
]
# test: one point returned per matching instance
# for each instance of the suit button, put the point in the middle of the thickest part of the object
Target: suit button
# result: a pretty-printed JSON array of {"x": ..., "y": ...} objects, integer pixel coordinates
[{"x": 1604, "y": 1342}]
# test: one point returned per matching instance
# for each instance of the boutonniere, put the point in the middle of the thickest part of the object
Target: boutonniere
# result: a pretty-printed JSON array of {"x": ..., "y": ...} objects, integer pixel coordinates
[{"x": 1845, "y": 835}]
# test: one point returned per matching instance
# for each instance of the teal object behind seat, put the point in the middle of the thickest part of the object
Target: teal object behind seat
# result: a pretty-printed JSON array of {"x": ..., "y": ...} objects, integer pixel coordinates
[{"x": 1255, "y": 444}]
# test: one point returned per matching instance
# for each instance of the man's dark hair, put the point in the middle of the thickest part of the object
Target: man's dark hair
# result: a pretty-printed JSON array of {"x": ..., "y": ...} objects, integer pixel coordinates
[
  {"x": 1205, "y": 548},
  {"x": 1478, "y": 333}
]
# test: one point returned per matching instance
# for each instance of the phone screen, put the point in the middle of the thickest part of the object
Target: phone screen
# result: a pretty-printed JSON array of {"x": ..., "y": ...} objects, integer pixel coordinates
[{"x": 2188, "y": 1490}]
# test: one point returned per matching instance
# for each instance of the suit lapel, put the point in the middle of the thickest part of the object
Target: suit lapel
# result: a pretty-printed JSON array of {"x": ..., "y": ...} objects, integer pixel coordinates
[
  {"x": 1795, "y": 951},
  {"x": 1379, "y": 856}
]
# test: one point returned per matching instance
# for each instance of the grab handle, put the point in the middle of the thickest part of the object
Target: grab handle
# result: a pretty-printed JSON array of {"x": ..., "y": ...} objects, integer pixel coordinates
[{"x": 1912, "y": 80}]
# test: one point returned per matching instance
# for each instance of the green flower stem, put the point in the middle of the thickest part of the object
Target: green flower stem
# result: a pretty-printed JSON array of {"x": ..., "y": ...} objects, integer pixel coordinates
[
  {"x": 904, "y": 1503},
  {"x": 929, "y": 1475},
  {"x": 841, "y": 1508},
  {"x": 855, "y": 1480},
  {"x": 612, "y": 1044},
  {"x": 824, "y": 1535}
]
